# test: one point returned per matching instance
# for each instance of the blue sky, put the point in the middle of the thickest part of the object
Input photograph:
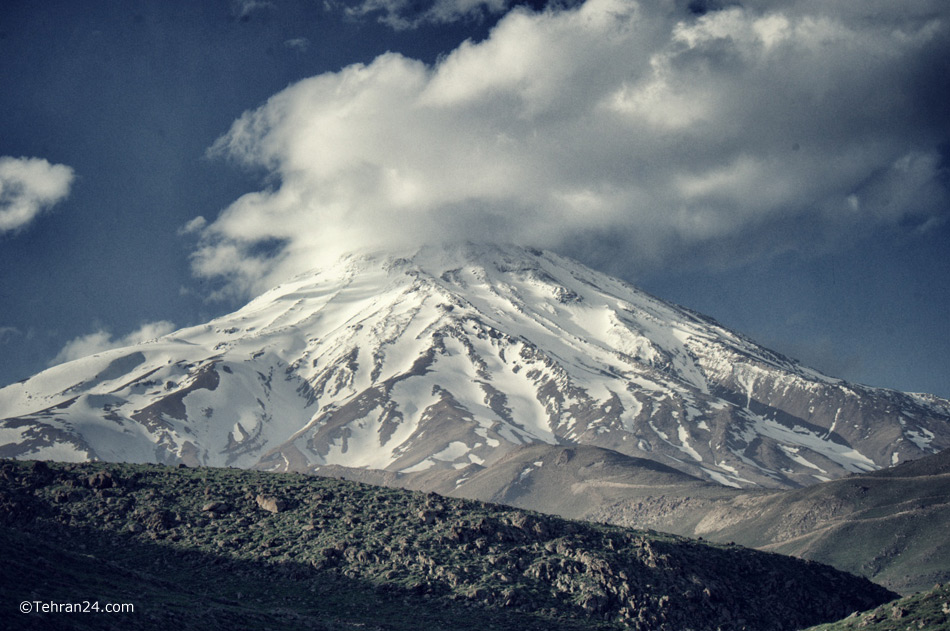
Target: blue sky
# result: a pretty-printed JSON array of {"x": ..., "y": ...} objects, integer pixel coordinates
[{"x": 780, "y": 166}]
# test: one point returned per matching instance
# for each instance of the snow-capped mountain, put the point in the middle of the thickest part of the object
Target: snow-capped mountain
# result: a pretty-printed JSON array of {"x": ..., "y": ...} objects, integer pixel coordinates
[{"x": 450, "y": 358}]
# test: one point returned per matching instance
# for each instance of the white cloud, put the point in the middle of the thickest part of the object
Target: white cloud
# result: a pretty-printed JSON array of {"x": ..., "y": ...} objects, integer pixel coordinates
[
  {"x": 28, "y": 186},
  {"x": 193, "y": 226},
  {"x": 300, "y": 44},
  {"x": 408, "y": 14},
  {"x": 665, "y": 132},
  {"x": 102, "y": 340},
  {"x": 244, "y": 8}
]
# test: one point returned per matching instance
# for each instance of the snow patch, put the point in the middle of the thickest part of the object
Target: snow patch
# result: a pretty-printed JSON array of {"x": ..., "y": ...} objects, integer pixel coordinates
[
  {"x": 792, "y": 453},
  {"x": 685, "y": 447},
  {"x": 419, "y": 466},
  {"x": 922, "y": 437},
  {"x": 849, "y": 458},
  {"x": 720, "y": 478},
  {"x": 455, "y": 450}
]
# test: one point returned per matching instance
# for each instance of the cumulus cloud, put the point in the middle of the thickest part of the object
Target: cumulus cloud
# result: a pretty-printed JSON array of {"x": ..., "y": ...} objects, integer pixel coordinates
[
  {"x": 102, "y": 340},
  {"x": 28, "y": 186},
  {"x": 658, "y": 127}
]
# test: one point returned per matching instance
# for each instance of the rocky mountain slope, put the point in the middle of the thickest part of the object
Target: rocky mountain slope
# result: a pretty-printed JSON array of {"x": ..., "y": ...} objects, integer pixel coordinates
[
  {"x": 888, "y": 525},
  {"x": 200, "y": 548},
  {"x": 448, "y": 360}
]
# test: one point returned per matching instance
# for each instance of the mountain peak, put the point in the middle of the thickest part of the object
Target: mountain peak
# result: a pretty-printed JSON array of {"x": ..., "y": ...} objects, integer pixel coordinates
[{"x": 440, "y": 361}]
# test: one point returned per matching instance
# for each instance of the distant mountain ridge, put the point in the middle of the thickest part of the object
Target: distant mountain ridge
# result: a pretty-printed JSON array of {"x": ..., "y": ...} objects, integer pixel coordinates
[
  {"x": 444, "y": 361},
  {"x": 887, "y": 525}
]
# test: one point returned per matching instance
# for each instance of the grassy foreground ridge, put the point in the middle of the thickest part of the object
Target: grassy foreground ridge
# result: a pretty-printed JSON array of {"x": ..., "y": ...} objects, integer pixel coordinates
[{"x": 209, "y": 548}]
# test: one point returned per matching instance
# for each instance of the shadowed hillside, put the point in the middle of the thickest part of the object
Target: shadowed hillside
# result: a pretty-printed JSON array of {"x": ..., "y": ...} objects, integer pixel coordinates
[{"x": 217, "y": 548}]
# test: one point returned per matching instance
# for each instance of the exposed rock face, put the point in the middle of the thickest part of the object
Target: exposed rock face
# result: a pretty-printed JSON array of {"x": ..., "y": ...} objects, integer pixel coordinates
[{"x": 445, "y": 362}]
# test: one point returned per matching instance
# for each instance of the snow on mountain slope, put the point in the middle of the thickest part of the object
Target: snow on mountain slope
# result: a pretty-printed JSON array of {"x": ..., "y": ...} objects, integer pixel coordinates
[{"x": 448, "y": 359}]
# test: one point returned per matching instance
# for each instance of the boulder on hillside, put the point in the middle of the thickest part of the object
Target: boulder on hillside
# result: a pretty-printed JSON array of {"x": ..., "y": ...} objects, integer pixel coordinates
[
  {"x": 215, "y": 507},
  {"x": 271, "y": 504},
  {"x": 101, "y": 480}
]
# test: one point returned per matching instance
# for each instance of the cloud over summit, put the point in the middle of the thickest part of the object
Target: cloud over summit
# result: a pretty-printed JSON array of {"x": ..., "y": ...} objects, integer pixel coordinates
[{"x": 647, "y": 123}]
